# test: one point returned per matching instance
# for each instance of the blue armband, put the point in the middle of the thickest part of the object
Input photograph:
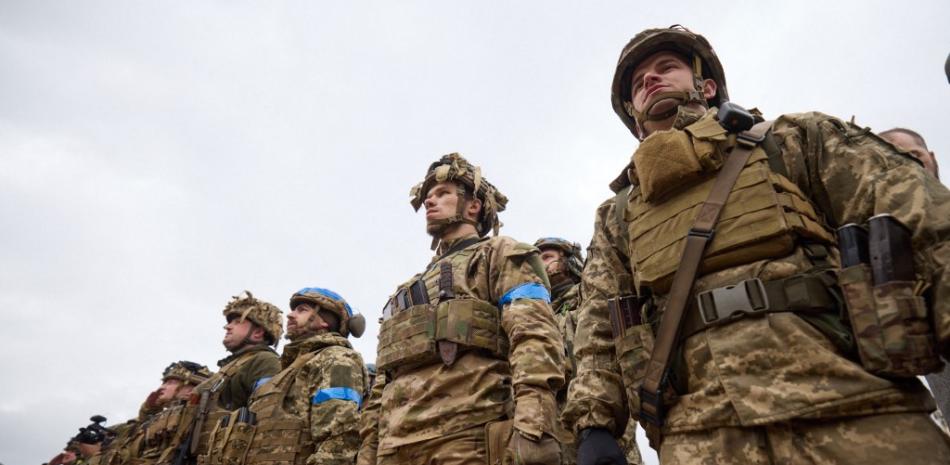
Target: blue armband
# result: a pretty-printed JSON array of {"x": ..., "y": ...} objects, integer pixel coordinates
[
  {"x": 533, "y": 291},
  {"x": 339, "y": 393},
  {"x": 260, "y": 382}
]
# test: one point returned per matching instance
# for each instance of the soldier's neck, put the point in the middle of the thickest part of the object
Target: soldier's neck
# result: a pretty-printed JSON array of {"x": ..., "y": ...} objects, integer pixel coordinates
[{"x": 450, "y": 238}]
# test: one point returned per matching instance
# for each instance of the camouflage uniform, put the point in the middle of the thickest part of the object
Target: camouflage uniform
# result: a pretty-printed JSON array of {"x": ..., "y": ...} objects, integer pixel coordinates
[
  {"x": 309, "y": 412},
  {"x": 778, "y": 386},
  {"x": 434, "y": 407}
]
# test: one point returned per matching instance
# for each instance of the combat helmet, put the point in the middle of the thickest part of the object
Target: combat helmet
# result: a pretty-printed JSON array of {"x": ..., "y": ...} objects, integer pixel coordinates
[
  {"x": 263, "y": 314},
  {"x": 188, "y": 372},
  {"x": 572, "y": 253},
  {"x": 328, "y": 300},
  {"x": 676, "y": 38},
  {"x": 453, "y": 167}
]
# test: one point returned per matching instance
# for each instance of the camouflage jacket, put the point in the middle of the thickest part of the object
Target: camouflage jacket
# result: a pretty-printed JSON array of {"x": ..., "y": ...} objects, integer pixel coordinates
[
  {"x": 761, "y": 370},
  {"x": 237, "y": 389},
  {"x": 418, "y": 403},
  {"x": 324, "y": 389},
  {"x": 564, "y": 302}
]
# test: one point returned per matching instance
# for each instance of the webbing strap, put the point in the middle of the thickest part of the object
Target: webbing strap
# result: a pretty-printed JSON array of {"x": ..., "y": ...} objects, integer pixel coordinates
[
  {"x": 448, "y": 350},
  {"x": 622, "y": 241},
  {"x": 651, "y": 391}
]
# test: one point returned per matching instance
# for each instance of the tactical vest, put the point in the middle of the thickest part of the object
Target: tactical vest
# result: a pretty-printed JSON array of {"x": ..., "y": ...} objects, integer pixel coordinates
[
  {"x": 273, "y": 435},
  {"x": 212, "y": 389},
  {"x": 161, "y": 429},
  {"x": 766, "y": 217},
  {"x": 432, "y": 319}
]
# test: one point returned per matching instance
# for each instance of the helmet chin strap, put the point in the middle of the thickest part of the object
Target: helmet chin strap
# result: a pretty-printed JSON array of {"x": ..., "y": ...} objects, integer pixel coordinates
[{"x": 682, "y": 98}]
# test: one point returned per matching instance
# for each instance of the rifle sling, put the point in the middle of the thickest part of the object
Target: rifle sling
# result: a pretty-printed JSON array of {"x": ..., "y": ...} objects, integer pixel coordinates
[{"x": 651, "y": 395}]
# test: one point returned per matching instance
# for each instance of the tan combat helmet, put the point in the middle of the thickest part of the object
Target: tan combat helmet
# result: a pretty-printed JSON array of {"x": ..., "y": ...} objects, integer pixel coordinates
[
  {"x": 187, "y": 372},
  {"x": 263, "y": 314},
  {"x": 453, "y": 167},
  {"x": 572, "y": 254},
  {"x": 325, "y": 299},
  {"x": 677, "y": 39}
]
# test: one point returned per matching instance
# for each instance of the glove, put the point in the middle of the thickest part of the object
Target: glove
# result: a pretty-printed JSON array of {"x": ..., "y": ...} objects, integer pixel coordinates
[
  {"x": 524, "y": 451},
  {"x": 597, "y": 446}
]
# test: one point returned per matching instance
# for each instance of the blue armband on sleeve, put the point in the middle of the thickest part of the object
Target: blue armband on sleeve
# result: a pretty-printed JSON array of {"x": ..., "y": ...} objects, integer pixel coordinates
[
  {"x": 533, "y": 291},
  {"x": 260, "y": 382},
  {"x": 339, "y": 393}
]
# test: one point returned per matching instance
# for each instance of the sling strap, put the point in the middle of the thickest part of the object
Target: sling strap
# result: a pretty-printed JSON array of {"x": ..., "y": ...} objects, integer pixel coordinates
[{"x": 699, "y": 236}]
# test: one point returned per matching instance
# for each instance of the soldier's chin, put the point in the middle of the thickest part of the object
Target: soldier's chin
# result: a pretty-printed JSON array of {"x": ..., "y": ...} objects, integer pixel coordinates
[{"x": 435, "y": 230}]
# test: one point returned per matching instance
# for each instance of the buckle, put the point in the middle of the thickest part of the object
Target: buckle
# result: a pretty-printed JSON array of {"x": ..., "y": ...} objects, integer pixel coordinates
[
  {"x": 701, "y": 233},
  {"x": 654, "y": 400},
  {"x": 732, "y": 302}
]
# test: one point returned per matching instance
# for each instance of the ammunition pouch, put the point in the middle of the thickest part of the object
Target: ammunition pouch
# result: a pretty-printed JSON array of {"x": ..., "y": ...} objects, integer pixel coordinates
[
  {"x": 633, "y": 342},
  {"x": 419, "y": 334},
  {"x": 892, "y": 327}
]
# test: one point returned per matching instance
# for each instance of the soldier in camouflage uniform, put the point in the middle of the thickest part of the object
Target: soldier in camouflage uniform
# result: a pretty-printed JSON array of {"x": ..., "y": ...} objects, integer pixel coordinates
[
  {"x": 163, "y": 430},
  {"x": 752, "y": 382},
  {"x": 253, "y": 328},
  {"x": 564, "y": 263},
  {"x": 468, "y": 343},
  {"x": 309, "y": 412}
]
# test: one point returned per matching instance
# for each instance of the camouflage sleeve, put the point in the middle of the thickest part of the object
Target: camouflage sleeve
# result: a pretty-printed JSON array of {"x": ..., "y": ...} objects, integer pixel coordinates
[
  {"x": 336, "y": 389},
  {"x": 596, "y": 396},
  {"x": 536, "y": 352},
  {"x": 369, "y": 423},
  {"x": 854, "y": 175}
]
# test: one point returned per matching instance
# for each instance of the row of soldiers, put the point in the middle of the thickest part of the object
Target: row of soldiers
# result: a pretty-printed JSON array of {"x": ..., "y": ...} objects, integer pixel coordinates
[{"x": 755, "y": 292}]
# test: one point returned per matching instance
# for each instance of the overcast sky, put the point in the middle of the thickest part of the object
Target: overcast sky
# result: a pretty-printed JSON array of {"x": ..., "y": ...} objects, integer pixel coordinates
[{"x": 157, "y": 158}]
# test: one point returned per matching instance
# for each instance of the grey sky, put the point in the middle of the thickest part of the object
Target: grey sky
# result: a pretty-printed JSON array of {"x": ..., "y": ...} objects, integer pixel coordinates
[{"x": 157, "y": 158}]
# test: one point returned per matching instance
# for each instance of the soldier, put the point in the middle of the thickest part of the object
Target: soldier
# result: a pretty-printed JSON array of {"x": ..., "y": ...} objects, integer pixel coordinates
[
  {"x": 913, "y": 143},
  {"x": 178, "y": 382},
  {"x": 468, "y": 342},
  {"x": 309, "y": 412},
  {"x": 756, "y": 362},
  {"x": 371, "y": 378},
  {"x": 253, "y": 326},
  {"x": 563, "y": 263}
]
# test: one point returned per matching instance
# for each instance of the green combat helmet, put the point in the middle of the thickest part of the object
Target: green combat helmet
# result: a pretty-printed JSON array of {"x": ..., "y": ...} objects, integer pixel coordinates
[
  {"x": 453, "y": 167},
  {"x": 263, "y": 314},
  {"x": 189, "y": 373},
  {"x": 694, "y": 47},
  {"x": 330, "y": 301},
  {"x": 572, "y": 253}
]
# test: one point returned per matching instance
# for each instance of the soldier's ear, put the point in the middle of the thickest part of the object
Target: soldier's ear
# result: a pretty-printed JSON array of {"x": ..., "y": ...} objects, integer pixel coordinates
[
  {"x": 473, "y": 208},
  {"x": 709, "y": 89}
]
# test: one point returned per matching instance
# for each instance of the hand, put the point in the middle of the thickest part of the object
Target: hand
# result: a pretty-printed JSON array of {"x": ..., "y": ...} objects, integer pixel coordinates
[
  {"x": 524, "y": 451},
  {"x": 598, "y": 447}
]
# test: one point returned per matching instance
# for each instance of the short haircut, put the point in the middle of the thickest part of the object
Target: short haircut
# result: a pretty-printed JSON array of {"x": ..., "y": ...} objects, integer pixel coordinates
[{"x": 911, "y": 133}]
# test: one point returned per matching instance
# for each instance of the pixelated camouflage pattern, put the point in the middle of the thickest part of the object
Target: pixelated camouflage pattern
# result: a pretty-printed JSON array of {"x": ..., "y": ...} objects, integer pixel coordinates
[
  {"x": 628, "y": 442},
  {"x": 769, "y": 369},
  {"x": 251, "y": 364},
  {"x": 329, "y": 430},
  {"x": 418, "y": 404},
  {"x": 868, "y": 440},
  {"x": 565, "y": 299},
  {"x": 180, "y": 371}
]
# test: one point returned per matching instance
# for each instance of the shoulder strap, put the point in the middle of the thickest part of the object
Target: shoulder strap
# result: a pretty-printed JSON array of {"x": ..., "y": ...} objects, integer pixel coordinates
[
  {"x": 622, "y": 241},
  {"x": 651, "y": 395}
]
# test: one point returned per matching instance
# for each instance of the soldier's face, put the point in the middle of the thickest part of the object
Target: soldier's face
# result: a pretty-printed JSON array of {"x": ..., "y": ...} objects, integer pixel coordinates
[
  {"x": 168, "y": 390},
  {"x": 908, "y": 143},
  {"x": 553, "y": 260},
  {"x": 442, "y": 202},
  {"x": 303, "y": 320},
  {"x": 663, "y": 72},
  {"x": 236, "y": 332}
]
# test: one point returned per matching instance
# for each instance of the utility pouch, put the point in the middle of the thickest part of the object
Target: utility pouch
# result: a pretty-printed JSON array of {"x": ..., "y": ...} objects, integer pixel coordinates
[
  {"x": 497, "y": 435},
  {"x": 891, "y": 325},
  {"x": 216, "y": 442},
  {"x": 239, "y": 440},
  {"x": 633, "y": 342}
]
